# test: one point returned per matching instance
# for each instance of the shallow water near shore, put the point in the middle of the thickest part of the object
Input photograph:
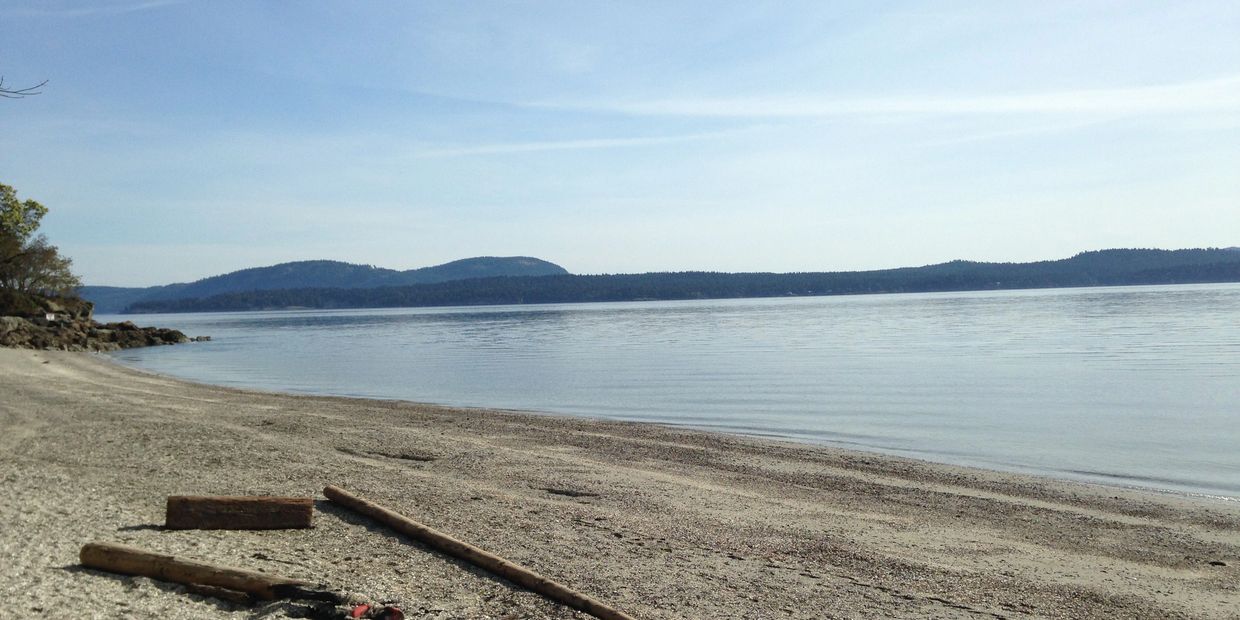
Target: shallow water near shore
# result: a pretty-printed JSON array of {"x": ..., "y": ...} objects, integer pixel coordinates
[{"x": 1132, "y": 386}]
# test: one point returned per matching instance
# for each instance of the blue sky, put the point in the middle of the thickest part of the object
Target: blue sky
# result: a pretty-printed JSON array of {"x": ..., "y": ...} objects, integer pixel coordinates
[{"x": 181, "y": 139}]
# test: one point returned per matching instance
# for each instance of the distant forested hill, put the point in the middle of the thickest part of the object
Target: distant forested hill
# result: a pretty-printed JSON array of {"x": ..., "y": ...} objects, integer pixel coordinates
[
  {"x": 1101, "y": 268},
  {"x": 318, "y": 274}
]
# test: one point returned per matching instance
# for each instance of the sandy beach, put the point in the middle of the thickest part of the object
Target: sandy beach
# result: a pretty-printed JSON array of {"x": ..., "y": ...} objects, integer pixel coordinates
[{"x": 658, "y": 522}]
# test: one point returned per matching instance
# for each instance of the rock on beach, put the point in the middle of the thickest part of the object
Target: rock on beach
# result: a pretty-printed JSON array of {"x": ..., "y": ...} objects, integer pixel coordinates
[{"x": 68, "y": 325}]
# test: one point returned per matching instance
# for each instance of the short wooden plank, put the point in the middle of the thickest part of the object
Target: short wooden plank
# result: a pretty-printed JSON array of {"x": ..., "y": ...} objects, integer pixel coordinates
[{"x": 186, "y": 512}]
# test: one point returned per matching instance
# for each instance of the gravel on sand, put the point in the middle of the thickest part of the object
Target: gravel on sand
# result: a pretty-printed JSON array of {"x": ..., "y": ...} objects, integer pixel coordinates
[{"x": 658, "y": 522}]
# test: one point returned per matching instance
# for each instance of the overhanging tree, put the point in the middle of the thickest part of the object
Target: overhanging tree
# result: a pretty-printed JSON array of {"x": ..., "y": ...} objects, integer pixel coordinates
[
  {"x": 28, "y": 263},
  {"x": 19, "y": 93}
]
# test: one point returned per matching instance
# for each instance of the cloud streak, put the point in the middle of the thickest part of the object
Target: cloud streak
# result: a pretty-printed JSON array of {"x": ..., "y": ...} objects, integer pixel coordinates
[
  {"x": 1204, "y": 96},
  {"x": 116, "y": 9},
  {"x": 562, "y": 145}
]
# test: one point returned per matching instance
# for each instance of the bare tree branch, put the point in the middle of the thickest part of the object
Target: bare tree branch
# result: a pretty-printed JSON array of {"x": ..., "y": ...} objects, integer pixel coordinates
[{"x": 18, "y": 93}]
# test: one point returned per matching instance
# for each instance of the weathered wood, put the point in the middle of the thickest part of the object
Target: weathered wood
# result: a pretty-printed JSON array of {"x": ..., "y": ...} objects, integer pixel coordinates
[
  {"x": 238, "y": 513},
  {"x": 128, "y": 560},
  {"x": 482, "y": 559},
  {"x": 232, "y": 596}
]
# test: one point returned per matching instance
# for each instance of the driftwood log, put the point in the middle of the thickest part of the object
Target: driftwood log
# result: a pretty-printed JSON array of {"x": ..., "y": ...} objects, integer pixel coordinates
[
  {"x": 128, "y": 560},
  {"x": 482, "y": 559},
  {"x": 238, "y": 513}
]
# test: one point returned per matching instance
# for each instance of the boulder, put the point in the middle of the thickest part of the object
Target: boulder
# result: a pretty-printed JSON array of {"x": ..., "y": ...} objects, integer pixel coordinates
[
  {"x": 13, "y": 323},
  {"x": 15, "y": 331}
]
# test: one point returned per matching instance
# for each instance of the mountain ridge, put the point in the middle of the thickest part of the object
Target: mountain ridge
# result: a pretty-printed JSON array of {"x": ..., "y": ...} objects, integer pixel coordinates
[
  {"x": 1114, "y": 267},
  {"x": 318, "y": 274}
]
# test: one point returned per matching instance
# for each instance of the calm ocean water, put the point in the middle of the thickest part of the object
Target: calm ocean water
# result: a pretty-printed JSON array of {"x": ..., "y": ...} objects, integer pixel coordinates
[{"x": 1133, "y": 386}]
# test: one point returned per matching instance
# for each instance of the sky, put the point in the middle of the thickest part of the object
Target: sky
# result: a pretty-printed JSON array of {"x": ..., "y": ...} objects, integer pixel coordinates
[{"x": 179, "y": 139}]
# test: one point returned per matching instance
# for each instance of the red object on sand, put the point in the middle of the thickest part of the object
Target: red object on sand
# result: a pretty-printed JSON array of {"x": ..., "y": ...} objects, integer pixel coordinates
[{"x": 383, "y": 613}]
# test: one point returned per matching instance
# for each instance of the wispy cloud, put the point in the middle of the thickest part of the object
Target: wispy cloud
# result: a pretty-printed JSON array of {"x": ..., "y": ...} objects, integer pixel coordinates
[
  {"x": 87, "y": 11},
  {"x": 562, "y": 145},
  {"x": 1216, "y": 95},
  {"x": 1020, "y": 131}
]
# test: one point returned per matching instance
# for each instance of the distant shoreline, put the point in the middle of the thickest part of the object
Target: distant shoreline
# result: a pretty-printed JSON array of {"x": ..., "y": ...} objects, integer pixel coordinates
[
  {"x": 284, "y": 286},
  {"x": 679, "y": 523},
  {"x": 190, "y": 307}
]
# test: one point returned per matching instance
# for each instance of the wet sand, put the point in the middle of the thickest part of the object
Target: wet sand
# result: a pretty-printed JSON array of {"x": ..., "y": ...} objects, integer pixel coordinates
[{"x": 656, "y": 521}]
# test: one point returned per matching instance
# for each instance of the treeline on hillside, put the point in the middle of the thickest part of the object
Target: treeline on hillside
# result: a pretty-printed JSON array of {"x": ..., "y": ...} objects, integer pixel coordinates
[{"x": 1102, "y": 268}]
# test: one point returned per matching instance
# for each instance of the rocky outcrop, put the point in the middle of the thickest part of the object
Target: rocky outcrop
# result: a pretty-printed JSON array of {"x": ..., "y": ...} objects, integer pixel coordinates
[
  {"x": 34, "y": 322},
  {"x": 77, "y": 335}
]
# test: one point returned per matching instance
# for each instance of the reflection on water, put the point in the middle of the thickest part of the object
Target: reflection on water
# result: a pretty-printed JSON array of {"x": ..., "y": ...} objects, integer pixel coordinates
[{"x": 1135, "y": 384}]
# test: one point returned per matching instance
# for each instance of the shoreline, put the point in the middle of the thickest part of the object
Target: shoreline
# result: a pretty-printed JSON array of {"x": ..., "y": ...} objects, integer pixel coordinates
[
  {"x": 659, "y": 521},
  {"x": 1100, "y": 479}
]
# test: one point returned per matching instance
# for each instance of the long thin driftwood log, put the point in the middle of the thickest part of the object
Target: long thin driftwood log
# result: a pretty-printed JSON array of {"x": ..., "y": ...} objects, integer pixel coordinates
[
  {"x": 469, "y": 553},
  {"x": 128, "y": 560},
  {"x": 187, "y": 512}
]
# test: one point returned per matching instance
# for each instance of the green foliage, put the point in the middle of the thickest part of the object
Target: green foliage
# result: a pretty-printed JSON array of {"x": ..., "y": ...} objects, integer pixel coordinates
[
  {"x": 18, "y": 218},
  {"x": 28, "y": 263},
  {"x": 13, "y": 303}
]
